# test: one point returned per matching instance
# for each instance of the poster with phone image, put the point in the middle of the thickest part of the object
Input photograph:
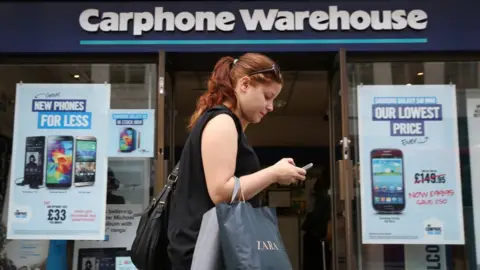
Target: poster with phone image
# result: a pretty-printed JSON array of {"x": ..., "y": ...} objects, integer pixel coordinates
[
  {"x": 131, "y": 133},
  {"x": 409, "y": 165},
  {"x": 59, "y": 162}
]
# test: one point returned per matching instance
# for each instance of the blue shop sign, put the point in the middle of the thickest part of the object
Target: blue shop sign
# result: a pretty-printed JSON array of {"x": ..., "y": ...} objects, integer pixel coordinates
[{"x": 238, "y": 26}]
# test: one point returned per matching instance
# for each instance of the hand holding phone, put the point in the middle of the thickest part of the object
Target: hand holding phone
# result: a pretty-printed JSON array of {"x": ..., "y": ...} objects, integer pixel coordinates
[{"x": 287, "y": 173}]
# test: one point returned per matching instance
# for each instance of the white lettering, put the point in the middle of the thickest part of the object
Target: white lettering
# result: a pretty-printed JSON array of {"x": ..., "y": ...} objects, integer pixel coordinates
[
  {"x": 423, "y": 113},
  {"x": 331, "y": 19},
  {"x": 385, "y": 113},
  {"x": 258, "y": 17},
  {"x": 407, "y": 128},
  {"x": 85, "y": 17}
]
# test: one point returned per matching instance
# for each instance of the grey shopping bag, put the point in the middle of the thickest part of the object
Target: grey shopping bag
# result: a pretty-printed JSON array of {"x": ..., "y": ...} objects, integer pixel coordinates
[
  {"x": 207, "y": 254},
  {"x": 249, "y": 237}
]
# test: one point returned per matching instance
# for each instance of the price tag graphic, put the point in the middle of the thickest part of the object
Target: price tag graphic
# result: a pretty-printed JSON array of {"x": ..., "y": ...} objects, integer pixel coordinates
[
  {"x": 56, "y": 214},
  {"x": 430, "y": 178}
]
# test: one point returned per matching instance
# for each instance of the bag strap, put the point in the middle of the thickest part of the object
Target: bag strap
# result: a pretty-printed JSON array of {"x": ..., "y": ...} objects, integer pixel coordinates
[
  {"x": 236, "y": 188},
  {"x": 169, "y": 186}
]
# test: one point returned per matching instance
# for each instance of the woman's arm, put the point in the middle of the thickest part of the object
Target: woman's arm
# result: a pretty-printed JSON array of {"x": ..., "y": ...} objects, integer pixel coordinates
[{"x": 219, "y": 154}]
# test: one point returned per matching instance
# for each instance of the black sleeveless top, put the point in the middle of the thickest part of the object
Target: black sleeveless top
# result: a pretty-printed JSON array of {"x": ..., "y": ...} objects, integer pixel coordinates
[{"x": 191, "y": 199}]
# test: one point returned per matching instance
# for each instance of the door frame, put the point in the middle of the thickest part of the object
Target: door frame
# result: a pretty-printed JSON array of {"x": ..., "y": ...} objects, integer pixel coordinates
[
  {"x": 341, "y": 168},
  {"x": 160, "y": 126}
]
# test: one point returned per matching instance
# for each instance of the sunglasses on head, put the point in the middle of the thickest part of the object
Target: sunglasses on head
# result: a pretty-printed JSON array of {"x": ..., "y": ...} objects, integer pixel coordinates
[{"x": 275, "y": 69}]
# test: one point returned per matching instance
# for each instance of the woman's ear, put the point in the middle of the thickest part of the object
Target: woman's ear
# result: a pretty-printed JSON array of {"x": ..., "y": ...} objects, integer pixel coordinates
[{"x": 244, "y": 83}]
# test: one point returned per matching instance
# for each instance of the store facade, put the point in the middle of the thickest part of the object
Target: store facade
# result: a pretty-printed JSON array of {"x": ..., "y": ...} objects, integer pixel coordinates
[{"x": 394, "y": 43}]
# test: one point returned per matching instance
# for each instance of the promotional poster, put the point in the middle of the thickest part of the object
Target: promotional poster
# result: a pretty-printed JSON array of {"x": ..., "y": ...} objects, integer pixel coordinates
[
  {"x": 409, "y": 165},
  {"x": 127, "y": 194},
  {"x": 59, "y": 162},
  {"x": 131, "y": 133},
  {"x": 473, "y": 118}
]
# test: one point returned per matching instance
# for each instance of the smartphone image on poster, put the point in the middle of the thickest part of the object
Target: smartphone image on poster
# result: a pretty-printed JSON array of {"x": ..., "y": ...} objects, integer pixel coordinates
[
  {"x": 59, "y": 162},
  {"x": 34, "y": 161},
  {"x": 128, "y": 140},
  {"x": 388, "y": 183},
  {"x": 85, "y": 161}
]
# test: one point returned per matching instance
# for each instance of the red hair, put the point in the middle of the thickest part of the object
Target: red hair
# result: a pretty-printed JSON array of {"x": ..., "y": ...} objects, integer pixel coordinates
[{"x": 224, "y": 78}]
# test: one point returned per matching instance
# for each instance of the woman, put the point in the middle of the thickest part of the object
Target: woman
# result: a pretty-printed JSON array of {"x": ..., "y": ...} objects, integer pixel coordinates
[{"x": 242, "y": 91}]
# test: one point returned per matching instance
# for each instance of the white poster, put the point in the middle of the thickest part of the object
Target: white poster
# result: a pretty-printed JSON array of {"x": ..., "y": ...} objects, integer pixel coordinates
[
  {"x": 132, "y": 133},
  {"x": 410, "y": 165},
  {"x": 59, "y": 162},
  {"x": 473, "y": 118}
]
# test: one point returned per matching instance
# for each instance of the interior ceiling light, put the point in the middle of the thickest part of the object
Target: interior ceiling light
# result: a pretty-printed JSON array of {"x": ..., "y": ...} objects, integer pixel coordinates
[
  {"x": 420, "y": 74},
  {"x": 279, "y": 103},
  {"x": 76, "y": 76}
]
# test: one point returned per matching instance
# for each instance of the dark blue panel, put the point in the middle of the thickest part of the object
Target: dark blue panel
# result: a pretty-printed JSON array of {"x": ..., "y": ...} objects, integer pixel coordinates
[{"x": 54, "y": 27}]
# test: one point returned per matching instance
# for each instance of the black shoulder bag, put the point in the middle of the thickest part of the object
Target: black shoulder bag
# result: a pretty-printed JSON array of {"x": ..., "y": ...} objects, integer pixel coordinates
[{"x": 149, "y": 249}]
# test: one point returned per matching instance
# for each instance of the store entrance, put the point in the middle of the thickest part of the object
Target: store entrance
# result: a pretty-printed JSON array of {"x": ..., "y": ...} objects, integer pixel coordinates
[{"x": 303, "y": 126}]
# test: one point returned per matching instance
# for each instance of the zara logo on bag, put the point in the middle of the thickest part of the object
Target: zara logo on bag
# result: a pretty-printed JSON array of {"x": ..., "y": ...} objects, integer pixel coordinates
[{"x": 266, "y": 245}]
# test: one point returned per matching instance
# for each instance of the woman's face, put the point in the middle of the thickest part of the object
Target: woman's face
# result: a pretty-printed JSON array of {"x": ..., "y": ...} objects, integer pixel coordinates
[{"x": 256, "y": 101}]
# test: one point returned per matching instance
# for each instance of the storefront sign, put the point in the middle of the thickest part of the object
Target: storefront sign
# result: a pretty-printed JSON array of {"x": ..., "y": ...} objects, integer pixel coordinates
[
  {"x": 239, "y": 26},
  {"x": 409, "y": 165},
  {"x": 473, "y": 118},
  {"x": 131, "y": 133},
  {"x": 59, "y": 162},
  {"x": 332, "y": 19}
]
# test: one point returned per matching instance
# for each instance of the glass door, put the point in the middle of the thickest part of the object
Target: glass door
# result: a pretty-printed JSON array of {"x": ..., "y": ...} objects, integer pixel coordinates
[{"x": 342, "y": 192}]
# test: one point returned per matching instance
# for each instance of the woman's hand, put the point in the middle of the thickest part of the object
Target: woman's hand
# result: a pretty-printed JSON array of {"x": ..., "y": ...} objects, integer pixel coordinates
[{"x": 287, "y": 173}]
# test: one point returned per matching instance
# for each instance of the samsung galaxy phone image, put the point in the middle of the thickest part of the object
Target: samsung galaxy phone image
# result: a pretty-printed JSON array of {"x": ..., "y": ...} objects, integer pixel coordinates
[
  {"x": 128, "y": 140},
  {"x": 388, "y": 183},
  {"x": 59, "y": 162},
  {"x": 85, "y": 160},
  {"x": 34, "y": 161}
]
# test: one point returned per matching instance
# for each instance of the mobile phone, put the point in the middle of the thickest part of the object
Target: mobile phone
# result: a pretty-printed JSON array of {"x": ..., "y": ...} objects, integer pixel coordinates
[
  {"x": 59, "y": 162},
  {"x": 85, "y": 161},
  {"x": 388, "y": 183},
  {"x": 34, "y": 161},
  {"x": 308, "y": 166},
  {"x": 128, "y": 140}
]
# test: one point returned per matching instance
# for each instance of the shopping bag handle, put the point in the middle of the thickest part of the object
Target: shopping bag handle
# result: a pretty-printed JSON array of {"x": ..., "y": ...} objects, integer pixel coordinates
[{"x": 237, "y": 187}]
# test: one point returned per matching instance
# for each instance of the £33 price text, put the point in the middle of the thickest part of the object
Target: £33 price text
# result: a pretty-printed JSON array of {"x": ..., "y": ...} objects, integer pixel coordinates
[{"x": 56, "y": 216}]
